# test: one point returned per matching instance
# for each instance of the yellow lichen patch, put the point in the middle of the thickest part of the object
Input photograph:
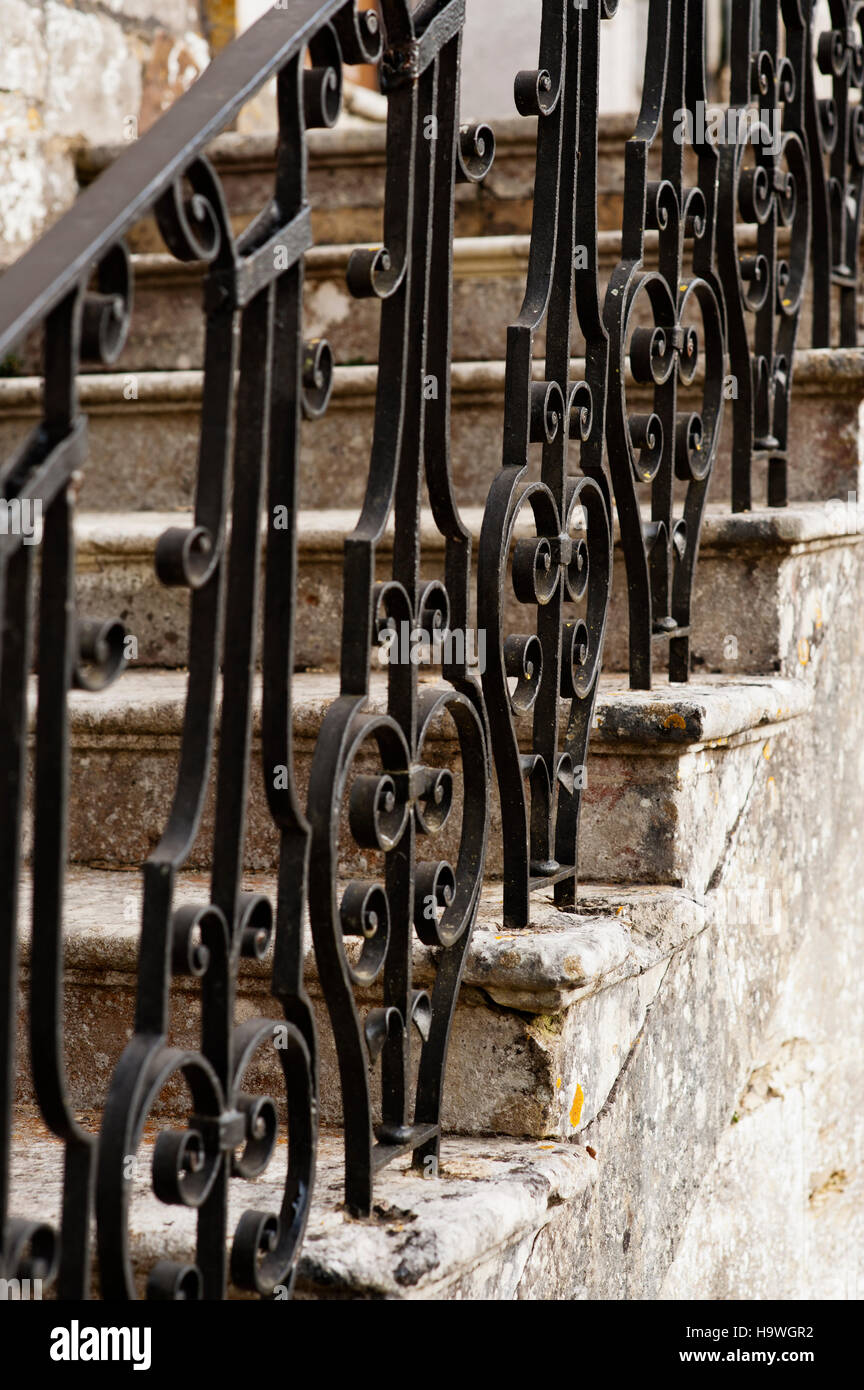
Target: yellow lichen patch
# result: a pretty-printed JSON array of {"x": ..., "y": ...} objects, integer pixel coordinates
[
  {"x": 674, "y": 721},
  {"x": 803, "y": 651},
  {"x": 576, "y": 1107},
  {"x": 817, "y": 617},
  {"x": 547, "y": 1146},
  {"x": 558, "y": 1083},
  {"x": 766, "y": 751},
  {"x": 220, "y": 22}
]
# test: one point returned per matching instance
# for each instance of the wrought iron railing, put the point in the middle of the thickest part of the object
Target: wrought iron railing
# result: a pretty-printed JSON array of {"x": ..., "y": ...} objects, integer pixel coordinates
[{"x": 706, "y": 321}]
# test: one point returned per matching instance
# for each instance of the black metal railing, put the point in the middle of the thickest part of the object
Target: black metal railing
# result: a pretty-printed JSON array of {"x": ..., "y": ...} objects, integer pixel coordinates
[{"x": 676, "y": 337}]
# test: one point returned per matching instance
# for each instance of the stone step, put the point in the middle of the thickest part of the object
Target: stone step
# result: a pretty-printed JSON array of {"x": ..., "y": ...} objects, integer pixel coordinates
[
  {"x": 167, "y": 326},
  {"x": 653, "y": 762},
  {"x": 754, "y": 606},
  {"x": 546, "y": 1015},
  {"x": 480, "y": 1230},
  {"x": 489, "y": 278},
  {"x": 346, "y": 180},
  {"x": 524, "y": 1057},
  {"x": 144, "y": 431},
  {"x": 655, "y": 1009}
]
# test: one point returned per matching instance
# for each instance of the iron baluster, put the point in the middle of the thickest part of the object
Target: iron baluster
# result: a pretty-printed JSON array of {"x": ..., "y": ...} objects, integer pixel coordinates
[
  {"x": 654, "y": 343},
  {"x": 835, "y": 142},
  {"x": 768, "y": 190},
  {"x": 370, "y": 760},
  {"x": 563, "y": 570}
]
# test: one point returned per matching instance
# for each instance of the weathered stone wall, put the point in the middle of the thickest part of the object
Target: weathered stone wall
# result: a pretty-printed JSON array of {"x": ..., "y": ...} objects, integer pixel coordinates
[
  {"x": 76, "y": 72},
  {"x": 731, "y": 1148}
]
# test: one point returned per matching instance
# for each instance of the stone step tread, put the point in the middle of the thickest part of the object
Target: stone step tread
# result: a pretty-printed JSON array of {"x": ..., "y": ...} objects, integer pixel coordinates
[
  {"x": 711, "y": 710},
  {"x": 619, "y": 931},
  {"x": 839, "y": 371},
  {"x": 426, "y": 1238},
  {"x": 119, "y": 536},
  {"x": 493, "y": 254}
]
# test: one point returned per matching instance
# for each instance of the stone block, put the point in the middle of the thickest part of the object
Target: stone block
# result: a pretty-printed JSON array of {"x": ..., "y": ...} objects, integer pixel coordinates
[
  {"x": 23, "y": 56},
  {"x": 80, "y": 45}
]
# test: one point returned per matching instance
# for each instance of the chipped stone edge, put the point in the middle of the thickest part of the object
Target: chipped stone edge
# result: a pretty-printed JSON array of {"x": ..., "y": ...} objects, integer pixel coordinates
[{"x": 545, "y": 969}]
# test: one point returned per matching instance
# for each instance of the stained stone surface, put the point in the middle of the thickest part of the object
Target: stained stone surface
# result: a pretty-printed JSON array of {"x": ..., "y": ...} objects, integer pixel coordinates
[{"x": 688, "y": 758}]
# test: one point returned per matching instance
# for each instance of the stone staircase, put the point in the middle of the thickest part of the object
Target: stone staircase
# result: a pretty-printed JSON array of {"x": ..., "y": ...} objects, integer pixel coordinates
[{"x": 705, "y": 861}]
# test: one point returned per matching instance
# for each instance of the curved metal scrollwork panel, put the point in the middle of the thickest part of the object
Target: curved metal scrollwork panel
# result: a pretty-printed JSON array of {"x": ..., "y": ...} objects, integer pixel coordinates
[
  {"x": 259, "y": 378},
  {"x": 547, "y": 540},
  {"x": 764, "y": 182},
  {"x": 379, "y": 789},
  {"x": 657, "y": 321},
  {"x": 254, "y": 286}
]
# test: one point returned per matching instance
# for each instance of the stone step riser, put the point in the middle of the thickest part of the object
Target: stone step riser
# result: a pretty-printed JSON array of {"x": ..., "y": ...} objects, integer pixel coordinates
[
  {"x": 537, "y": 1059},
  {"x": 751, "y": 606},
  {"x": 123, "y": 765},
  {"x": 144, "y": 432},
  {"x": 167, "y": 325},
  {"x": 346, "y": 177}
]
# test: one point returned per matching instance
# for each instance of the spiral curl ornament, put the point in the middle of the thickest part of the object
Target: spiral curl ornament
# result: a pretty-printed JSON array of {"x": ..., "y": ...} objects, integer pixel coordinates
[{"x": 106, "y": 311}]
